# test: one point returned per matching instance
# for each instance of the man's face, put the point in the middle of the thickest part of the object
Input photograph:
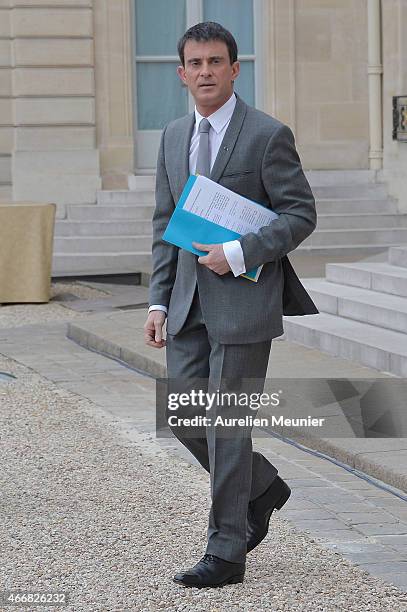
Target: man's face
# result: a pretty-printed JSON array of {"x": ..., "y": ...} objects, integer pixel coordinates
[{"x": 208, "y": 73}]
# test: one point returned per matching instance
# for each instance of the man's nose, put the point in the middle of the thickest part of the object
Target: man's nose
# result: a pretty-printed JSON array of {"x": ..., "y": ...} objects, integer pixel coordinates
[{"x": 205, "y": 69}]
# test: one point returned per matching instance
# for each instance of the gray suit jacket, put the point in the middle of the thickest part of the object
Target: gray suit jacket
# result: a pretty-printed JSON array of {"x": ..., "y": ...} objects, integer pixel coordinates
[{"x": 257, "y": 159}]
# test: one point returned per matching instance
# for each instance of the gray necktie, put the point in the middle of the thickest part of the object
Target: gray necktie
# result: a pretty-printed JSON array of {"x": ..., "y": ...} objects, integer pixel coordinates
[{"x": 203, "y": 165}]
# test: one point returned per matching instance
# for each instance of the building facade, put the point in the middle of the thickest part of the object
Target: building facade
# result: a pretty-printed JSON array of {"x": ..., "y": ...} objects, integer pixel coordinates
[{"x": 86, "y": 86}]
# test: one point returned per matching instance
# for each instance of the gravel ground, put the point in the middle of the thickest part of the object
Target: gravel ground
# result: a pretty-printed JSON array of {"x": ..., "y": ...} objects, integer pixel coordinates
[
  {"x": 110, "y": 518},
  {"x": 14, "y": 315}
]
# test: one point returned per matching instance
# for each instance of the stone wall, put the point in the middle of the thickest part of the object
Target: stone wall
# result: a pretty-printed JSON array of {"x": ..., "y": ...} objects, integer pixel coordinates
[
  {"x": 394, "y": 13},
  {"x": 114, "y": 95},
  {"x": 6, "y": 101},
  {"x": 51, "y": 125},
  {"x": 331, "y": 83},
  {"x": 66, "y": 90}
]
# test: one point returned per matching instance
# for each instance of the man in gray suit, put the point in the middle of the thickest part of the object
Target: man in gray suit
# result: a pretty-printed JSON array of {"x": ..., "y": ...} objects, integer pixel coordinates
[{"x": 220, "y": 325}]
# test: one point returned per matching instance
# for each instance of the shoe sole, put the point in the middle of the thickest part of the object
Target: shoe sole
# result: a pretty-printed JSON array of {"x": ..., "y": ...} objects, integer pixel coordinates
[
  {"x": 283, "y": 499},
  {"x": 231, "y": 580}
]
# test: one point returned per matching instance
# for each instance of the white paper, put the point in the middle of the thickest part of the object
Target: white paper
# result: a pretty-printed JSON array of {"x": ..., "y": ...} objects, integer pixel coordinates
[{"x": 226, "y": 208}]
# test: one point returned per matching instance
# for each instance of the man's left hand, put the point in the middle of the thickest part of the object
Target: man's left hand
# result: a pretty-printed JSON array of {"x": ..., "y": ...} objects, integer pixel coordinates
[{"x": 215, "y": 260}]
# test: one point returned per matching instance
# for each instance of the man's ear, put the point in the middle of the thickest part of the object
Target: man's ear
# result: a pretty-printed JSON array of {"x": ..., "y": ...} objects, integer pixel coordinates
[
  {"x": 235, "y": 70},
  {"x": 181, "y": 73}
]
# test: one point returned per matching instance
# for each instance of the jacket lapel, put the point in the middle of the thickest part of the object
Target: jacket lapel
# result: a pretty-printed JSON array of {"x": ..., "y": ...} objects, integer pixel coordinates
[
  {"x": 229, "y": 139},
  {"x": 184, "y": 144}
]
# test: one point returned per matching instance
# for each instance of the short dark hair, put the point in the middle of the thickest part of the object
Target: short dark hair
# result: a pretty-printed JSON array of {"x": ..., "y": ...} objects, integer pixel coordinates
[{"x": 208, "y": 30}]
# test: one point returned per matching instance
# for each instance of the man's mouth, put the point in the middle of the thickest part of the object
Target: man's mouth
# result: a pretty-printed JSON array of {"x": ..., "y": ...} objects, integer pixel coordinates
[{"x": 207, "y": 85}]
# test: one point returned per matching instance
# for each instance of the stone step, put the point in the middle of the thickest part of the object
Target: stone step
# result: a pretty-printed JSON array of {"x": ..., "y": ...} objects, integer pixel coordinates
[
  {"x": 336, "y": 211},
  {"x": 96, "y": 212},
  {"x": 339, "y": 206},
  {"x": 141, "y": 182},
  {"x": 398, "y": 256},
  {"x": 364, "y": 305},
  {"x": 315, "y": 177},
  {"x": 340, "y": 177},
  {"x": 338, "y": 196},
  {"x": 78, "y": 264},
  {"x": 311, "y": 263},
  {"x": 99, "y": 244},
  {"x": 102, "y": 228},
  {"x": 369, "y": 221},
  {"x": 125, "y": 197},
  {"x": 372, "y": 346},
  {"x": 341, "y": 252},
  {"x": 128, "y": 228},
  {"x": 109, "y": 228},
  {"x": 391, "y": 236},
  {"x": 5, "y": 169},
  {"x": 303, "y": 259},
  {"x": 377, "y": 276},
  {"x": 368, "y": 190},
  {"x": 6, "y": 192}
]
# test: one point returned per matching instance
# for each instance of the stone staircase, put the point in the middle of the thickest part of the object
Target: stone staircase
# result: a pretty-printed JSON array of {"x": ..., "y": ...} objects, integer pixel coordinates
[
  {"x": 356, "y": 219},
  {"x": 112, "y": 236},
  {"x": 363, "y": 313}
]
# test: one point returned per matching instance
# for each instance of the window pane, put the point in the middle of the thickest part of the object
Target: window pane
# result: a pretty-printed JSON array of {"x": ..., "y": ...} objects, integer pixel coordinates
[
  {"x": 244, "y": 84},
  {"x": 236, "y": 16},
  {"x": 159, "y": 26},
  {"x": 161, "y": 96}
]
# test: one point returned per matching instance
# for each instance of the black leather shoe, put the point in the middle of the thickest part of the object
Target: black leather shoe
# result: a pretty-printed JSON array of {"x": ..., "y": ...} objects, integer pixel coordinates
[
  {"x": 211, "y": 571},
  {"x": 261, "y": 509}
]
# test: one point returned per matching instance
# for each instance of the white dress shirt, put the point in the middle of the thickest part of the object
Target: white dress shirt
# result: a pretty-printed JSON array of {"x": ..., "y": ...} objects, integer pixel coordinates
[{"x": 219, "y": 121}]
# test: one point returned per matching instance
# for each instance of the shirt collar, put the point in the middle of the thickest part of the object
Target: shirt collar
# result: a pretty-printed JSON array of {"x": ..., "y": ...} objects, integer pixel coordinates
[{"x": 219, "y": 118}]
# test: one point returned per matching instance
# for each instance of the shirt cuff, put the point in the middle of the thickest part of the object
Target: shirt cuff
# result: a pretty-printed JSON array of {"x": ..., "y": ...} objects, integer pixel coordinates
[
  {"x": 234, "y": 255},
  {"x": 158, "y": 307}
]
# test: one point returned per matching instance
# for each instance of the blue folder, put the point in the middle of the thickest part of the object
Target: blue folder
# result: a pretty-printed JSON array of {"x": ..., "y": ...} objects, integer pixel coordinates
[{"x": 186, "y": 227}]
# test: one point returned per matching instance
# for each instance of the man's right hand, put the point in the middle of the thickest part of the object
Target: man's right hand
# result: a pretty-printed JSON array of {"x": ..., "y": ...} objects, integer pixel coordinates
[{"x": 153, "y": 329}]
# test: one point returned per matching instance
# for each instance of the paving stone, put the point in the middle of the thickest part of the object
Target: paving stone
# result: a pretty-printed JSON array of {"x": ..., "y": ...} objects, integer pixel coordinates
[
  {"x": 394, "y": 540},
  {"x": 360, "y": 506},
  {"x": 65, "y": 297},
  {"x": 367, "y": 517},
  {"x": 321, "y": 525},
  {"x": 389, "y": 502},
  {"x": 367, "y": 558},
  {"x": 322, "y": 495},
  {"x": 307, "y": 482},
  {"x": 382, "y": 529},
  {"x": 289, "y": 473},
  {"x": 400, "y": 513},
  {"x": 399, "y": 580},
  {"x": 356, "y": 484},
  {"x": 299, "y": 504},
  {"x": 375, "y": 493},
  {"x": 342, "y": 476},
  {"x": 275, "y": 445},
  {"x": 302, "y": 514},
  {"x": 362, "y": 547},
  {"x": 128, "y": 411},
  {"x": 390, "y": 567},
  {"x": 322, "y": 465},
  {"x": 137, "y": 297},
  {"x": 336, "y": 536},
  {"x": 62, "y": 375}
]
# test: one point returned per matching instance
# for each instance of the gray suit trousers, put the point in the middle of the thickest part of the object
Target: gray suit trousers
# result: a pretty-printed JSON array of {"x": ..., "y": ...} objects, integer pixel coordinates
[{"x": 237, "y": 474}]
